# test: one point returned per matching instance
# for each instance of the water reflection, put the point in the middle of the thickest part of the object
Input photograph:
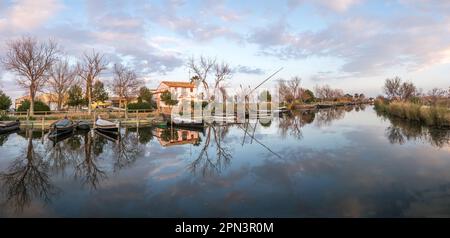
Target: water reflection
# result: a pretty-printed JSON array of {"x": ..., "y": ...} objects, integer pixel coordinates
[
  {"x": 127, "y": 150},
  {"x": 292, "y": 123},
  {"x": 400, "y": 131},
  {"x": 234, "y": 164},
  {"x": 87, "y": 169},
  {"x": 214, "y": 145},
  {"x": 27, "y": 178}
]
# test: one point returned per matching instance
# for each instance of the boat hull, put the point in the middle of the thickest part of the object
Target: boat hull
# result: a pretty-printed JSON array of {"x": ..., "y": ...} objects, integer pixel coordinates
[
  {"x": 57, "y": 137},
  {"x": 82, "y": 125},
  {"x": 9, "y": 127},
  {"x": 106, "y": 126},
  {"x": 108, "y": 129},
  {"x": 110, "y": 135},
  {"x": 55, "y": 133},
  {"x": 58, "y": 130}
]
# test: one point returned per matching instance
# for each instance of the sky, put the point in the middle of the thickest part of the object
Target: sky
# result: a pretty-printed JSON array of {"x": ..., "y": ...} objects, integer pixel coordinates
[{"x": 349, "y": 44}]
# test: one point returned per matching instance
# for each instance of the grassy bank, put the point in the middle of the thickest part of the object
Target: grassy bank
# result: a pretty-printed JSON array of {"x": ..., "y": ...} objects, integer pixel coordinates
[{"x": 430, "y": 116}]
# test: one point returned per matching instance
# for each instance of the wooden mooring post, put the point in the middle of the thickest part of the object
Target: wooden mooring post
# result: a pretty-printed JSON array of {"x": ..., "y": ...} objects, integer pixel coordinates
[{"x": 93, "y": 124}]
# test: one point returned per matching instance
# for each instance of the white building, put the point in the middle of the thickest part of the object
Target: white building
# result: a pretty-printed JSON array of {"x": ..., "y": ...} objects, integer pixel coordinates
[{"x": 181, "y": 90}]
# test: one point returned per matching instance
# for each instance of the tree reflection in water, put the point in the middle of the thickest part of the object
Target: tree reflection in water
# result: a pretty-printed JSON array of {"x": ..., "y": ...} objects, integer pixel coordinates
[
  {"x": 205, "y": 164},
  {"x": 63, "y": 153},
  {"x": 293, "y": 123},
  {"x": 400, "y": 131},
  {"x": 3, "y": 139},
  {"x": 86, "y": 167},
  {"x": 27, "y": 178},
  {"x": 127, "y": 150},
  {"x": 325, "y": 117}
]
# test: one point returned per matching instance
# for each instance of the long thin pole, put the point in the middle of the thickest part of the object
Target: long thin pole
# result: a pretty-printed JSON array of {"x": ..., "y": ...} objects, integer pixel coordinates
[
  {"x": 267, "y": 148},
  {"x": 265, "y": 80}
]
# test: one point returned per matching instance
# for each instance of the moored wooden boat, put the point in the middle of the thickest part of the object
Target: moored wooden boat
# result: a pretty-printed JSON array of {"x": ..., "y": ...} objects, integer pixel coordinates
[
  {"x": 186, "y": 122},
  {"x": 83, "y": 125},
  {"x": 106, "y": 126},
  {"x": 61, "y": 127},
  {"x": 112, "y": 136},
  {"x": 55, "y": 137},
  {"x": 8, "y": 126}
]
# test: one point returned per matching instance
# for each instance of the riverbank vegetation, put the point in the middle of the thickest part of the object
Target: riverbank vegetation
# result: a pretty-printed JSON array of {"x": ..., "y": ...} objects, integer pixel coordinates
[
  {"x": 404, "y": 100},
  {"x": 294, "y": 96}
]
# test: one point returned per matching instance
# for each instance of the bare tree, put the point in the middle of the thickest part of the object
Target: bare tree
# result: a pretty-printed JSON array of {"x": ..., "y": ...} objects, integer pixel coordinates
[
  {"x": 392, "y": 87},
  {"x": 31, "y": 60},
  {"x": 294, "y": 86},
  {"x": 223, "y": 72},
  {"x": 201, "y": 69},
  {"x": 90, "y": 68},
  {"x": 435, "y": 94},
  {"x": 407, "y": 91},
  {"x": 327, "y": 93},
  {"x": 290, "y": 90},
  {"x": 62, "y": 77},
  {"x": 284, "y": 91},
  {"x": 125, "y": 84}
]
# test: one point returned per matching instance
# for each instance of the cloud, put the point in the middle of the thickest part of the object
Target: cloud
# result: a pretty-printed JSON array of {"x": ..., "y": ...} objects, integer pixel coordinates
[
  {"x": 192, "y": 27},
  {"x": 28, "y": 14},
  {"x": 248, "y": 70},
  {"x": 365, "y": 45},
  {"x": 334, "y": 5}
]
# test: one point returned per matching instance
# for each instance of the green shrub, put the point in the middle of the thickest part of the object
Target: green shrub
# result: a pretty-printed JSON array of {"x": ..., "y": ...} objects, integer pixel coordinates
[
  {"x": 38, "y": 106},
  {"x": 5, "y": 101},
  {"x": 4, "y": 117},
  {"x": 140, "y": 106}
]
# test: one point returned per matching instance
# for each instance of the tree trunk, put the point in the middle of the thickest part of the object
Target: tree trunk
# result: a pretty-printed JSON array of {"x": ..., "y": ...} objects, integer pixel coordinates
[
  {"x": 126, "y": 109},
  {"x": 89, "y": 101},
  {"x": 31, "y": 102},
  {"x": 59, "y": 102},
  {"x": 89, "y": 93}
]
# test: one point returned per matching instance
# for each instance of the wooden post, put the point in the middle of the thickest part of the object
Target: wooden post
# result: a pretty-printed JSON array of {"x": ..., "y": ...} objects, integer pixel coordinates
[
  {"x": 118, "y": 131},
  {"x": 137, "y": 118},
  {"x": 94, "y": 121},
  {"x": 43, "y": 121}
]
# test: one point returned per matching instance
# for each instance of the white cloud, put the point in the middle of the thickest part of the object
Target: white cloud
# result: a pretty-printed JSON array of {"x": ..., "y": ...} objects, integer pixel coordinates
[
  {"x": 28, "y": 14},
  {"x": 334, "y": 5},
  {"x": 366, "y": 45},
  {"x": 248, "y": 70}
]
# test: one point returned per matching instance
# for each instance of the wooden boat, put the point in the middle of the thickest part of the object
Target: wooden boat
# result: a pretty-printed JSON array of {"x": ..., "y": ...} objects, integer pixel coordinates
[
  {"x": 59, "y": 137},
  {"x": 106, "y": 126},
  {"x": 112, "y": 136},
  {"x": 176, "y": 127},
  {"x": 8, "y": 126},
  {"x": 83, "y": 125},
  {"x": 61, "y": 127},
  {"x": 186, "y": 122}
]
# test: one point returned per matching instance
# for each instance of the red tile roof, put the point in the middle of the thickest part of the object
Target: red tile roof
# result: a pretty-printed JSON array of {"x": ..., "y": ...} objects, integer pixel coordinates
[{"x": 178, "y": 84}]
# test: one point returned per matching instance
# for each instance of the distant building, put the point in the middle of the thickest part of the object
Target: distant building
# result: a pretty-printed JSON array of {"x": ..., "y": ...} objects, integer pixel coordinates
[
  {"x": 47, "y": 98},
  {"x": 182, "y": 91},
  {"x": 120, "y": 102}
]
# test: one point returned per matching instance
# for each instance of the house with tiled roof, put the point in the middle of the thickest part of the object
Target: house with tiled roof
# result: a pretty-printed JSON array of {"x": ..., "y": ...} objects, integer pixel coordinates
[{"x": 181, "y": 90}]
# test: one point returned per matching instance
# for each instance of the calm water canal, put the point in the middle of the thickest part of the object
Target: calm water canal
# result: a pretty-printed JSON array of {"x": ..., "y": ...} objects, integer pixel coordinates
[{"x": 331, "y": 163}]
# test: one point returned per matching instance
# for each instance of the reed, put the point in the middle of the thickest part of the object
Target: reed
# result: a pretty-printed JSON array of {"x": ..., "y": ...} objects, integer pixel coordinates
[{"x": 430, "y": 116}]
